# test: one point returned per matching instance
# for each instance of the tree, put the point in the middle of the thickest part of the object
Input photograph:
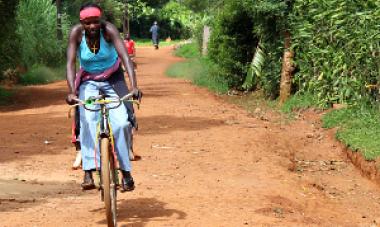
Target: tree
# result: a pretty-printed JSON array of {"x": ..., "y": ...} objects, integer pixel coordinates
[
  {"x": 8, "y": 40},
  {"x": 36, "y": 30},
  {"x": 59, "y": 20},
  {"x": 155, "y": 3}
]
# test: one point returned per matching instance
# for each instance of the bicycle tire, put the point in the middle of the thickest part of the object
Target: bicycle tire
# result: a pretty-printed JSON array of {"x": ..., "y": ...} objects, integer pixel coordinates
[{"x": 108, "y": 183}]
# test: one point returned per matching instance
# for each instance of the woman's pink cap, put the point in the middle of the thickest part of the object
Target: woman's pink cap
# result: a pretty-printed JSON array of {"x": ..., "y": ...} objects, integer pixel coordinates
[{"x": 89, "y": 12}]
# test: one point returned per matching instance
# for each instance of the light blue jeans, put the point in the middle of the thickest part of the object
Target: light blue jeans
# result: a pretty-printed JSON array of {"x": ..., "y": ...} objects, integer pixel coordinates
[{"x": 121, "y": 127}]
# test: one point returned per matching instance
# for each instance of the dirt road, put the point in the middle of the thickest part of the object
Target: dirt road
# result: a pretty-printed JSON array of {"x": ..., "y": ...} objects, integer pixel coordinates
[{"x": 204, "y": 163}]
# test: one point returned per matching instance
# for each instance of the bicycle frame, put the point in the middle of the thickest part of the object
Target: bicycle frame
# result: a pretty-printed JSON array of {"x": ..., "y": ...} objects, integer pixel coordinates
[
  {"x": 108, "y": 171},
  {"x": 104, "y": 127}
]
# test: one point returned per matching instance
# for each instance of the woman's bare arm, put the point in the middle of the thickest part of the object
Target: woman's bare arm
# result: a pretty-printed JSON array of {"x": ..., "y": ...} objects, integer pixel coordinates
[{"x": 113, "y": 34}]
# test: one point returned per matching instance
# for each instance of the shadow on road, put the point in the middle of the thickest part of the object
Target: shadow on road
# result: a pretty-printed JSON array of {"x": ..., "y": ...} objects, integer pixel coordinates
[
  {"x": 161, "y": 124},
  {"x": 32, "y": 97},
  {"x": 138, "y": 212},
  {"x": 19, "y": 194}
]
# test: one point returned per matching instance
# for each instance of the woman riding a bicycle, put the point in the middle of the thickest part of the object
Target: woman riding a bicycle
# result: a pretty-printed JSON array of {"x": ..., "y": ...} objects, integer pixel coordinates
[{"x": 100, "y": 50}]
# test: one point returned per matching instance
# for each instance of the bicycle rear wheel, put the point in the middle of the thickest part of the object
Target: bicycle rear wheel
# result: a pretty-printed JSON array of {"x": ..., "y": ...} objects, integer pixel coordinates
[{"x": 108, "y": 181}]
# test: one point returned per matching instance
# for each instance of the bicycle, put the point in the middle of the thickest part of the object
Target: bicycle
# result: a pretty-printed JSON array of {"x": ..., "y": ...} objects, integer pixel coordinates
[{"x": 109, "y": 180}]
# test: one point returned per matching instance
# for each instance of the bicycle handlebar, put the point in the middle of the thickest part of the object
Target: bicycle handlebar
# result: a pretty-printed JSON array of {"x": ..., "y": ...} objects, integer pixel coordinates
[{"x": 103, "y": 100}]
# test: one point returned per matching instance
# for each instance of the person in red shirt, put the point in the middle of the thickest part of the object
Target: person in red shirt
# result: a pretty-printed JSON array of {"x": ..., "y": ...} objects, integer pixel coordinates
[{"x": 130, "y": 46}]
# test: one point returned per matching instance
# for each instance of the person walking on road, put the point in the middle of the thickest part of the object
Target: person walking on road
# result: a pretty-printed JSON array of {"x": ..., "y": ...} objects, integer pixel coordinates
[{"x": 155, "y": 36}]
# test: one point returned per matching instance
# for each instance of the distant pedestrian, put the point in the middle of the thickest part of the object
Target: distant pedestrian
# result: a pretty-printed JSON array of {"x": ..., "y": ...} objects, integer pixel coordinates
[{"x": 155, "y": 38}]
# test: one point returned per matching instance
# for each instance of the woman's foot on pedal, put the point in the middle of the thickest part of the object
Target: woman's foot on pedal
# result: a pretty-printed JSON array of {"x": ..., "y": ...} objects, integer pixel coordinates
[
  {"x": 127, "y": 183},
  {"x": 88, "y": 181},
  {"x": 78, "y": 161},
  {"x": 133, "y": 156}
]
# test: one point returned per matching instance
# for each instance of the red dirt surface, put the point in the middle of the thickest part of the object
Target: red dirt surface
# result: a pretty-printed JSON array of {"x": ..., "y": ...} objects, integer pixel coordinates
[{"x": 205, "y": 162}]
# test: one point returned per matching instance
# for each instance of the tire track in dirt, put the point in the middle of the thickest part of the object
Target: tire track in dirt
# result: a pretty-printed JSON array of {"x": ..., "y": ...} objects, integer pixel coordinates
[{"x": 204, "y": 163}]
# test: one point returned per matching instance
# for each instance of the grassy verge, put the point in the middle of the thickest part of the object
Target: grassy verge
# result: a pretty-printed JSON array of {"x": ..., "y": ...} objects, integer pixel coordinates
[
  {"x": 298, "y": 102},
  {"x": 358, "y": 128},
  {"x": 5, "y": 96},
  {"x": 199, "y": 70},
  {"x": 254, "y": 103},
  {"x": 42, "y": 75},
  {"x": 36, "y": 75},
  {"x": 148, "y": 42}
]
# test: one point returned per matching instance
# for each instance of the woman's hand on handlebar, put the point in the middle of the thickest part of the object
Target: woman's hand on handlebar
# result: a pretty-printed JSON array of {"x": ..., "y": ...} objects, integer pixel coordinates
[
  {"x": 137, "y": 94},
  {"x": 71, "y": 99}
]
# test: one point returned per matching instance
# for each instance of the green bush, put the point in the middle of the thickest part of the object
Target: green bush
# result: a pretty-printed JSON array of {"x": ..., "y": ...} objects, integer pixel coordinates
[
  {"x": 42, "y": 75},
  {"x": 4, "y": 96},
  {"x": 337, "y": 48},
  {"x": 232, "y": 43},
  {"x": 9, "y": 43},
  {"x": 298, "y": 102},
  {"x": 197, "y": 33},
  {"x": 36, "y": 29},
  {"x": 239, "y": 32},
  {"x": 187, "y": 51}
]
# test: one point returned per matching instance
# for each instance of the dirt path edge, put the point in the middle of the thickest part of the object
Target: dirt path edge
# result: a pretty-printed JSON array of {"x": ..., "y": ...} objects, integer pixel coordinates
[{"x": 368, "y": 168}]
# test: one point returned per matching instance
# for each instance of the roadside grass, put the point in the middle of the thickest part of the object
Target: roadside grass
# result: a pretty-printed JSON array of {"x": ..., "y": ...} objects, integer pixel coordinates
[
  {"x": 5, "y": 96},
  {"x": 42, "y": 75},
  {"x": 187, "y": 51},
  {"x": 358, "y": 128},
  {"x": 254, "y": 103},
  {"x": 36, "y": 75},
  {"x": 298, "y": 102},
  {"x": 148, "y": 42},
  {"x": 199, "y": 70}
]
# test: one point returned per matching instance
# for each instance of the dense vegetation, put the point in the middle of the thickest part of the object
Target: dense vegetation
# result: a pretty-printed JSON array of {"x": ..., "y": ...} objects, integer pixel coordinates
[
  {"x": 331, "y": 48},
  {"x": 34, "y": 37},
  {"x": 335, "y": 47}
]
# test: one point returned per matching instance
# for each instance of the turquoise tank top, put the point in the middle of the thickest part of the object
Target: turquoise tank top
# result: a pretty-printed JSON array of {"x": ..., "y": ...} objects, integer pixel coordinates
[{"x": 99, "y": 62}]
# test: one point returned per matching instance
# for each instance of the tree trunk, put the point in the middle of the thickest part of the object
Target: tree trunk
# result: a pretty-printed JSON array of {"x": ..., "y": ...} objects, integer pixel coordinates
[
  {"x": 126, "y": 19},
  {"x": 205, "y": 39},
  {"x": 287, "y": 70},
  {"x": 59, "y": 20}
]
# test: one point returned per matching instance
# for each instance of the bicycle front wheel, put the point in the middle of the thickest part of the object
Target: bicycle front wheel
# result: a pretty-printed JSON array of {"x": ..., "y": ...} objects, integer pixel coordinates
[{"x": 108, "y": 181}]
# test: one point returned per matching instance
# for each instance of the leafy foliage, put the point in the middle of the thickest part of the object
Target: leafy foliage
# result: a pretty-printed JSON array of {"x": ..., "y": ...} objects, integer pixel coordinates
[
  {"x": 255, "y": 69},
  {"x": 174, "y": 19},
  {"x": 36, "y": 29},
  {"x": 235, "y": 38},
  {"x": 337, "y": 48},
  {"x": 39, "y": 74},
  {"x": 299, "y": 102},
  {"x": 8, "y": 38},
  {"x": 113, "y": 10},
  {"x": 232, "y": 43},
  {"x": 176, "y": 13}
]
